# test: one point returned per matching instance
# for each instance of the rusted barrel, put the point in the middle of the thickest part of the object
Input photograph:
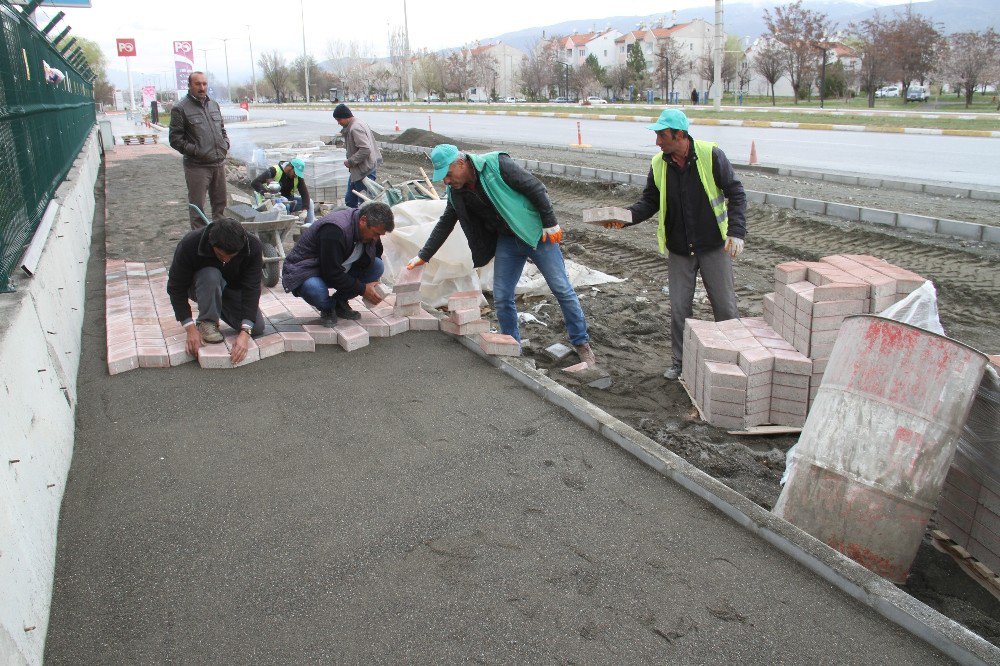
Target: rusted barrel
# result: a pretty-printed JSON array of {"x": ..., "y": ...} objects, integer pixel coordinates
[{"x": 880, "y": 436}]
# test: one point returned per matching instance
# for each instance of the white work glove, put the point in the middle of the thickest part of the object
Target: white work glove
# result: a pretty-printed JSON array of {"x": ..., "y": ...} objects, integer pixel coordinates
[
  {"x": 551, "y": 234},
  {"x": 310, "y": 215},
  {"x": 734, "y": 246}
]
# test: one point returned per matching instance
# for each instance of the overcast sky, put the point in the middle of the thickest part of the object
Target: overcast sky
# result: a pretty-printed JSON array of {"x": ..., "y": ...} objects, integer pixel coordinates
[{"x": 278, "y": 26}]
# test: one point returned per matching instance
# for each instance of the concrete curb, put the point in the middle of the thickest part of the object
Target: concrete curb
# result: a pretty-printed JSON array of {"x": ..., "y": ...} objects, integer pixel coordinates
[
  {"x": 988, "y": 134},
  {"x": 847, "y": 575},
  {"x": 931, "y": 225},
  {"x": 256, "y": 124}
]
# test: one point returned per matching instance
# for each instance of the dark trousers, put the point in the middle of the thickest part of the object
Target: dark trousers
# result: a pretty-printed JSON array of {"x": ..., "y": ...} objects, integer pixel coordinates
[
  {"x": 716, "y": 268},
  {"x": 216, "y": 301},
  {"x": 351, "y": 199},
  {"x": 202, "y": 179}
]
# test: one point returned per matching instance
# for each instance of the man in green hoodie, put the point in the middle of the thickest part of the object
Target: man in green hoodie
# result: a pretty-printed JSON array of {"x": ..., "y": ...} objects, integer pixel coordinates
[{"x": 505, "y": 213}]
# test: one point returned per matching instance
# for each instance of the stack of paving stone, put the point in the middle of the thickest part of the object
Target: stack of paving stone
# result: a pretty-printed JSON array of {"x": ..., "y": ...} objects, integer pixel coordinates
[
  {"x": 745, "y": 373},
  {"x": 464, "y": 318}
]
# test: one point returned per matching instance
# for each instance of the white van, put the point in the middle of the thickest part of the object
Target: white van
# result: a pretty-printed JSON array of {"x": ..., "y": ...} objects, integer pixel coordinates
[
  {"x": 887, "y": 91},
  {"x": 917, "y": 94}
]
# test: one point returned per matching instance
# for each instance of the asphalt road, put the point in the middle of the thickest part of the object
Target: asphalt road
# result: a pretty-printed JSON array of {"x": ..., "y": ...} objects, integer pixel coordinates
[{"x": 965, "y": 160}]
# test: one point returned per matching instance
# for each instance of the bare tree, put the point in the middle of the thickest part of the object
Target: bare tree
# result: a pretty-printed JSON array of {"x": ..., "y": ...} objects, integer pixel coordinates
[
  {"x": 397, "y": 62},
  {"x": 584, "y": 81},
  {"x": 800, "y": 31},
  {"x": 619, "y": 79},
  {"x": 537, "y": 69},
  {"x": 671, "y": 62},
  {"x": 459, "y": 74},
  {"x": 913, "y": 43},
  {"x": 732, "y": 59},
  {"x": 969, "y": 56},
  {"x": 430, "y": 73},
  {"x": 769, "y": 61},
  {"x": 297, "y": 78},
  {"x": 275, "y": 71},
  {"x": 871, "y": 40}
]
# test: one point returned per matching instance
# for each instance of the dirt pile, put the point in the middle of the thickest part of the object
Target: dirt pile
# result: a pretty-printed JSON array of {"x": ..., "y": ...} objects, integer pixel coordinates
[{"x": 418, "y": 137}]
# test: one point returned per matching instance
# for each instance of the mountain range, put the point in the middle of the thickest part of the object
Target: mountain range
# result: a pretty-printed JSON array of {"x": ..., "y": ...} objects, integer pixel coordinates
[{"x": 746, "y": 19}]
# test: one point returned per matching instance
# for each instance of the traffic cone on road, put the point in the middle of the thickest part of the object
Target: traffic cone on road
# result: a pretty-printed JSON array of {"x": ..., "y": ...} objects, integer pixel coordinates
[
  {"x": 753, "y": 152},
  {"x": 397, "y": 125}
]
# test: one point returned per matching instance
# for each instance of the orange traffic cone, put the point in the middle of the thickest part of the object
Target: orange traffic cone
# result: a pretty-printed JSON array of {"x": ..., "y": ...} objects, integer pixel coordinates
[
  {"x": 753, "y": 152},
  {"x": 397, "y": 125}
]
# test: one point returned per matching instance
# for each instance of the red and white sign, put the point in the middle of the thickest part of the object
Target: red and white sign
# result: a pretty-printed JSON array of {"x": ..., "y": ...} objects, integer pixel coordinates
[
  {"x": 126, "y": 48},
  {"x": 183, "y": 62}
]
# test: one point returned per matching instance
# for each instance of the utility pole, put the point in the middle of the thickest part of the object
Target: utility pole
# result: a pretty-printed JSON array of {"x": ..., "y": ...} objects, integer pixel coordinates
[
  {"x": 717, "y": 74},
  {"x": 305, "y": 58},
  {"x": 253, "y": 68},
  {"x": 225, "y": 50},
  {"x": 406, "y": 62}
]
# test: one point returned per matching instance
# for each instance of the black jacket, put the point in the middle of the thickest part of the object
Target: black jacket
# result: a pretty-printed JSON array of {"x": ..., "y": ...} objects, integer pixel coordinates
[
  {"x": 197, "y": 131},
  {"x": 691, "y": 224},
  {"x": 479, "y": 217},
  {"x": 242, "y": 272}
]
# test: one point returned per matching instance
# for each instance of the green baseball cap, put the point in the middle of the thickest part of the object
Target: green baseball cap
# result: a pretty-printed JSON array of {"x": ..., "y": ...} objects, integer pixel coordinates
[
  {"x": 670, "y": 119},
  {"x": 441, "y": 157},
  {"x": 299, "y": 167}
]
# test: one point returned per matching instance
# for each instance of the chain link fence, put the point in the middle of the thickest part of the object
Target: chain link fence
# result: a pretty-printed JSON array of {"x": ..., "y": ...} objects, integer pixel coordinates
[{"x": 43, "y": 125}]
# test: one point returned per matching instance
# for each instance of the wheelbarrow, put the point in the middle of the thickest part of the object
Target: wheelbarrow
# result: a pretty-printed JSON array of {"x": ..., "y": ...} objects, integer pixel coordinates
[{"x": 270, "y": 229}]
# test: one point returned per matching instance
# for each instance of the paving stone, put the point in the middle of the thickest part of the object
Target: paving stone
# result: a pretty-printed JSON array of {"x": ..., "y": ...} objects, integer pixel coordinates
[
  {"x": 406, "y": 298},
  {"x": 321, "y": 334},
  {"x": 791, "y": 362},
  {"x": 793, "y": 407},
  {"x": 799, "y": 381},
  {"x": 122, "y": 362},
  {"x": 409, "y": 280},
  {"x": 790, "y": 420},
  {"x": 498, "y": 344},
  {"x": 298, "y": 341},
  {"x": 351, "y": 335},
  {"x": 270, "y": 345},
  {"x": 414, "y": 309},
  {"x": 471, "y": 328},
  {"x": 724, "y": 375},
  {"x": 558, "y": 351},
  {"x": 376, "y": 327},
  {"x": 178, "y": 355},
  {"x": 463, "y": 300},
  {"x": 214, "y": 357},
  {"x": 464, "y": 316},
  {"x": 424, "y": 321},
  {"x": 396, "y": 323},
  {"x": 598, "y": 216}
]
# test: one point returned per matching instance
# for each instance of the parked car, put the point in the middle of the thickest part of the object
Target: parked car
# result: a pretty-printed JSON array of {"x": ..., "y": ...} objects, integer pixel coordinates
[
  {"x": 596, "y": 100},
  {"x": 887, "y": 91},
  {"x": 432, "y": 98},
  {"x": 561, "y": 100},
  {"x": 509, "y": 100},
  {"x": 917, "y": 94}
]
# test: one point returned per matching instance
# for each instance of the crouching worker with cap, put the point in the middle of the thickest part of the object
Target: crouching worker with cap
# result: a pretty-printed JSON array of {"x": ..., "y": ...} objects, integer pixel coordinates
[
  {"x": 340, "y": 251},
  {"x": 290, "y": 178},
  {"x": 505, "y": 213},
  {"x": 701, "y": 209},
  {"x": 219, "y": 267}
]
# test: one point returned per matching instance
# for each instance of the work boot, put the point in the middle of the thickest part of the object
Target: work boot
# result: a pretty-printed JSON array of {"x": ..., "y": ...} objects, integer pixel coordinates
[
  {"x": 210, "y": 332},
  {"x": 327, "y": 318},
  {"x": 673, "y": 373},
  {"x": 345, "y": 311},
  {"x": 586, "y": 354}
]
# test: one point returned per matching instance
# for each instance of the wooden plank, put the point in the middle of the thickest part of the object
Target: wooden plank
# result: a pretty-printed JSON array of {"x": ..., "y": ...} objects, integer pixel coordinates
[{"x": 976, "y": 570}]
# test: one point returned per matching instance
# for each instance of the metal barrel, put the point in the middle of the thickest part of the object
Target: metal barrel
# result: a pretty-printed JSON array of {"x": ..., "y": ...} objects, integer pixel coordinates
[{"x": 876, "y": 447}]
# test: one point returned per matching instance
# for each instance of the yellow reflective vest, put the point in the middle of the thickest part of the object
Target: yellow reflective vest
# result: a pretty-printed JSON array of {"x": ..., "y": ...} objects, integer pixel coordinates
[
  {"x": 703, "y": 151},
  {"x": 279, "y": 172}
]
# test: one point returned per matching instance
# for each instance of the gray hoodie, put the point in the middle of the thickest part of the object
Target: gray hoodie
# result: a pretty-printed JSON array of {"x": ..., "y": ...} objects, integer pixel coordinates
[{"x": 363, "y": 154}]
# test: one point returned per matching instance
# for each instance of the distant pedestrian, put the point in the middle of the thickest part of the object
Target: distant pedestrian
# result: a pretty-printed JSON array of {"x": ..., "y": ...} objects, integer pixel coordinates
[
  {"x": 198, "y": 133},
  {"x": 694, "y": 95},
  {"x": 363, "y": 154},
  {"x": 701, "y": 218}
]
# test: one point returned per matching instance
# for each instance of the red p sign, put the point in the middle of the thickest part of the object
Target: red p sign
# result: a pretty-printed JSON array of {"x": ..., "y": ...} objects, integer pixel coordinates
[{"x": 126, "y": 47}]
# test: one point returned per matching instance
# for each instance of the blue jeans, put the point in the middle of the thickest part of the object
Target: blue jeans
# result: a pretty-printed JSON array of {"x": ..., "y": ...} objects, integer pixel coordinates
[
  {"x": 316, "y": 293},
  {"x": 508, "y": 265},
  {"x": 351, "y": 199}
]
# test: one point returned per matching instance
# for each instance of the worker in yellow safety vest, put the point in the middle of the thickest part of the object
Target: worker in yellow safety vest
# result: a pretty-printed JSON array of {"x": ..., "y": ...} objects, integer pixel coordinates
[
  {"x": 701, "y": 219},
  {"x": 289, "y": 176}
]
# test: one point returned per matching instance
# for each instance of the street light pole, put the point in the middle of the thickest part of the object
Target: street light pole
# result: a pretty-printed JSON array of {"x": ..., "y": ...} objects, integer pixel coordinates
[
  {"x": 305, "y": 58},
  {"x": 225, "y": 49},
  {"x": 253, "y": 68},
  {"x": 822, "y": 76},
  {"x": 406, "y": 61},
  {"x": 717, "y": 74}
]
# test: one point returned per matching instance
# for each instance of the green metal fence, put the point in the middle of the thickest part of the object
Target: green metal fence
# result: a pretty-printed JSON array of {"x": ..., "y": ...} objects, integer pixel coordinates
[{"x": 42, "y": 129}]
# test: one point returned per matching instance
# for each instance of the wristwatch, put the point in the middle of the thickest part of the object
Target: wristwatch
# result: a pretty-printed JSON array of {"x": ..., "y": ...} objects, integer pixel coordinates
[{"x": 247, "y": 328}]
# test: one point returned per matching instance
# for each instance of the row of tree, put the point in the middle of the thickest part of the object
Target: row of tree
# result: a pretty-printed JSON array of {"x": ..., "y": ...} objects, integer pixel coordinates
[{"x": 905, "y": 47}]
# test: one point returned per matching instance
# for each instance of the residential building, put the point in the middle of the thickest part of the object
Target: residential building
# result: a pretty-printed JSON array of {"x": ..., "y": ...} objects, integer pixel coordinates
[
  {"x": 693, "y": 39},
  {"x": 504, "y": 63}
]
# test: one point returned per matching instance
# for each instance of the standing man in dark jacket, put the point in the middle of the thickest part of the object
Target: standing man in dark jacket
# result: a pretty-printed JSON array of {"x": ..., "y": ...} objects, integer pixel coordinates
[
  {"x": 340, "y": 251},
  {"x": 505, "y": 212},
  {"x": 219, "y": 267},
  {"x": 198, "y": 133},
  {"x": 702, "y": 222},
  {"x": 363, "y": 154}
]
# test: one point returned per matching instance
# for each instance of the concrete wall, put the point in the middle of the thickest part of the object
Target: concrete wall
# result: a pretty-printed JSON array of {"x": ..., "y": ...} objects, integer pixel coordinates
[{"x": 40, "y": 337}]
